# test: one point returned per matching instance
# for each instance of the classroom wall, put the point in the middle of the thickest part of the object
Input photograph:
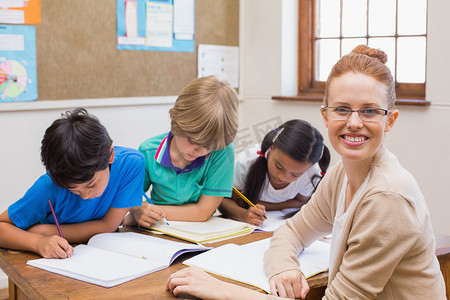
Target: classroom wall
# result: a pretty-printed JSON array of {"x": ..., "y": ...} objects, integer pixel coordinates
[{"x": 420, "y": 138}]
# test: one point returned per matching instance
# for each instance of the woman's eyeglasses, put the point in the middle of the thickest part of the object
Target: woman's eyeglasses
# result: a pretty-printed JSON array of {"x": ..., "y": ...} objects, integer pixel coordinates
[{"x": 369, "y": 114}]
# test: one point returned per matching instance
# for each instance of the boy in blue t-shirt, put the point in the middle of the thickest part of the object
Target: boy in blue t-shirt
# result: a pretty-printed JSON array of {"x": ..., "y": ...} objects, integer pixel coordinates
[
  {"x": 90, "y": 183},
  {"x": 190, "y": 168}
]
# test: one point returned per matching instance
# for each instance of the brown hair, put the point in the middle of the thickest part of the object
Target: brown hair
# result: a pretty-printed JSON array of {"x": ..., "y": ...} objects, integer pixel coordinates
[
  {"x": 367, "y": 61},
  {"x": 206, "y": 113}
]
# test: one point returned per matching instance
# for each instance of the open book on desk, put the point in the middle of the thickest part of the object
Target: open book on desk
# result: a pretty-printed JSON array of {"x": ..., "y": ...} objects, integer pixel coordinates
[
  {"x": 276, "y": 218},
  {"x": 213, "y": 230},
  {"x": 110, "y": 259},
  {"x": 245, "y": 263}
]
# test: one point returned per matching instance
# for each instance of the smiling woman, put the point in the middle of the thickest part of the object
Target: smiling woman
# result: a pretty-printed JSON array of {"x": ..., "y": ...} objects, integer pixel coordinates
[
  {"x": 361, "y": 199},
  {"x": 351, "y": 135}
]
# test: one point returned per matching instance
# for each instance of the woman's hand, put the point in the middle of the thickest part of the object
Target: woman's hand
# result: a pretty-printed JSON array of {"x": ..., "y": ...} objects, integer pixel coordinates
[
  {"x": 289, "y": 284},
  {"x": 196, "y": 282}
]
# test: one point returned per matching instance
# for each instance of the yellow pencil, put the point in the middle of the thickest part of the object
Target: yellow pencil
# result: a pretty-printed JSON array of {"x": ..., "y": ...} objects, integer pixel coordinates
[{"x": 245, "y": 198}]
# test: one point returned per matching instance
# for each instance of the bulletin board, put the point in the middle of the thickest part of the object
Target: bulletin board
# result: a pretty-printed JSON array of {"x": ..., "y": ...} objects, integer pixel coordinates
[{"x": 77, "y": 55}]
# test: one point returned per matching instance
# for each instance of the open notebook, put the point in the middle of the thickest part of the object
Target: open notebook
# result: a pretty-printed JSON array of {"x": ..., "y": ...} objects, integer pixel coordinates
[
  {"x": 245, "y": 263},
  {"x": 110, "y": 259},
  {"x": 213, "y": 230},
  {"x": 276, "y": 218}
]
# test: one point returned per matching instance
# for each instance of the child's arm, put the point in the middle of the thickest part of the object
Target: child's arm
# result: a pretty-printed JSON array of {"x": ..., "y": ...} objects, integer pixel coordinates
[
  {"x": 12, "y": 237},
  {"x": 195, "y": 212},
  {"x": 296, "y": 202},
  {"x": 231, "y": 209},
  {"x": 82, "y": 232}
]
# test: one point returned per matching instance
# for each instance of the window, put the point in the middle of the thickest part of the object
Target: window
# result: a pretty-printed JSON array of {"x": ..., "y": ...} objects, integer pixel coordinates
[{"x": 329, "y": 29}]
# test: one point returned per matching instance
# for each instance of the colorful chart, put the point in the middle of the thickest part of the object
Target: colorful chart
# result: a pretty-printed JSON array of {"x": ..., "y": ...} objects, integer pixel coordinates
[
  {"x": 13, "y": 79},
  {"x": 18, "y": 72}
]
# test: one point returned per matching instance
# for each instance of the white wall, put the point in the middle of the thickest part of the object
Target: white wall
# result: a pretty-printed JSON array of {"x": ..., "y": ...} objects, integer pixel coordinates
[{"x": 421, "y": 136}]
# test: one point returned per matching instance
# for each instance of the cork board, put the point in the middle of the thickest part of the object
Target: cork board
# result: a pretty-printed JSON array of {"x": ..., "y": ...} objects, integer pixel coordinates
[{"x": 77, "y": 55}]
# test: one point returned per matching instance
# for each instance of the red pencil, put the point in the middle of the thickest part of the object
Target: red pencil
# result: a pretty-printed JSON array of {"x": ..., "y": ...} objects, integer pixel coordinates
[{"x": 56, "y": 220}]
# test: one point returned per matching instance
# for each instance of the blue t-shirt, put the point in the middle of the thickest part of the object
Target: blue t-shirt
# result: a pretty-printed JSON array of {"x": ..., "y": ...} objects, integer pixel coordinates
[{"x": 124, "y": 189}]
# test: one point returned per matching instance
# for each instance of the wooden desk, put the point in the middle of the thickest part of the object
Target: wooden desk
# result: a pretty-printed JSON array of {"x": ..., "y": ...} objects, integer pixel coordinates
[
  {"x": 443, "y": 255},
  {"x": 26, "y": 282}
]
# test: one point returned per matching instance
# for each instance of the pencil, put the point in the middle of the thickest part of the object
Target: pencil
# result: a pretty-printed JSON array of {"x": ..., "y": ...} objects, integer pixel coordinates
[
  {"x": 56, "y": 220},
  {"x": 245, "y": 198},
  {"x": 151, "y": 202}
]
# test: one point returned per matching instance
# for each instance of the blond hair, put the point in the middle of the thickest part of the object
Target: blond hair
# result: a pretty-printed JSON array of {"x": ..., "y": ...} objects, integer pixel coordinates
[
  {"x": 206, "y": 113},
  {"x": 367, "y": 61}
]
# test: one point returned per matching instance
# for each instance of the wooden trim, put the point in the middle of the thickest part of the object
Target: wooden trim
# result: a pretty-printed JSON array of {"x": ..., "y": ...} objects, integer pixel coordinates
[
  {"x": 410, "y": 90},
  {"x": 444, "y": 263},
  {"x": 413, "y": 102},
  {"x": 308, "y": 87},
  {"x": 319, "y": 98},
  {"x": 12, "y": 288},
  {"x": 311, "y": 98},
  {"x": 305, "y": 45},
  {"x": 443, "y": 256}
]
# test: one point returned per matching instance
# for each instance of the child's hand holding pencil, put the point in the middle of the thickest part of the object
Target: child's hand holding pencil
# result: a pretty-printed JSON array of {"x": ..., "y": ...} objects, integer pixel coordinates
[
  {"x": 255, "y": 213},
  {"x": 150, "y": 213},
  {"x": 47, "y": 244},
  {"x": 53, "y": 247}
]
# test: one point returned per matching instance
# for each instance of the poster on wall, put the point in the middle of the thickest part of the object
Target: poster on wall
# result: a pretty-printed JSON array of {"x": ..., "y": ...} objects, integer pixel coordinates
[
  {"x": 157, "y": 25},
  {"x": 20, "y": 11},
  {"x": 18, "y": 75},
  {"x": 222, "y": 61}
]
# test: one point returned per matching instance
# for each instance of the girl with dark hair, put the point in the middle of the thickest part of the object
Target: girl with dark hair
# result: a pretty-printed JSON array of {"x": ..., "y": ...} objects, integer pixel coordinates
[{"x": 283, "y": 174}]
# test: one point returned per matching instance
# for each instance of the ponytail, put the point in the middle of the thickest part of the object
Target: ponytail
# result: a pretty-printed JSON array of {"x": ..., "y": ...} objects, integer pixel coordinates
[
  {"x": 256, "y": 175},
  {"x": 324, "y": 162}
]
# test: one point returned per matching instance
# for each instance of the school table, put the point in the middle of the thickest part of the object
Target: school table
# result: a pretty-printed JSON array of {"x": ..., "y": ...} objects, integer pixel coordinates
[{"x": 26, "y": 282}]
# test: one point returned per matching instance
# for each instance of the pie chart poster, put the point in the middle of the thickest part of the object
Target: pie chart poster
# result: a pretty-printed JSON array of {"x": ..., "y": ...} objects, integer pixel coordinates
[{"x": 18, "y": 76}]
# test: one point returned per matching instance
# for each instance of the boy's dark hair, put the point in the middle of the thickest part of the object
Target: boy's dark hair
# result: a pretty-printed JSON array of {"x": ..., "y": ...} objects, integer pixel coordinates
[
  {"x": 300, "y": 141},
  {"x": 74, "y": 147}
]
